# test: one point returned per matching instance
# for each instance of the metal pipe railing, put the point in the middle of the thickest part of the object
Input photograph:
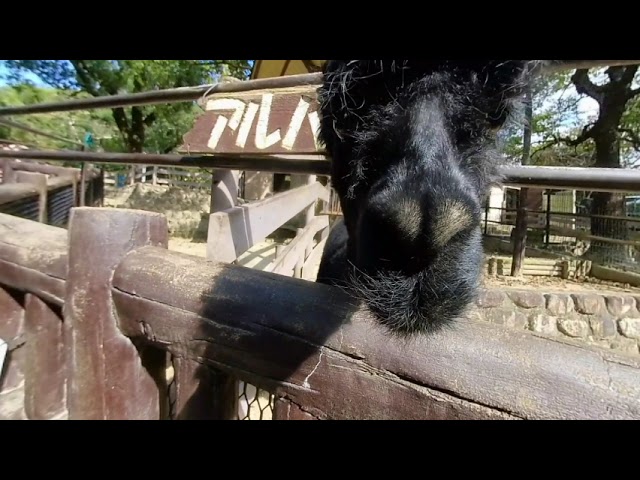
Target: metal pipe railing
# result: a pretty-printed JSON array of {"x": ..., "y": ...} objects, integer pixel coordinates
[
  {"x": 302, "y": 164},
  {"x": 171, "y": 95},
  {"x": 577, "y": 178},
  {"x": 35, "y": 131},
  {"x": 183, "y": 94}
]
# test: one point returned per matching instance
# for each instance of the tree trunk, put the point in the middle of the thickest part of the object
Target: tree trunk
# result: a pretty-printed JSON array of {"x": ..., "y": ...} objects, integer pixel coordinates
[
  {"x": 132, "y": 130},
  {"x": 135, "y": 139},
  {"x": 520, "y": 232},
  {"x": 607, "y": 155}
]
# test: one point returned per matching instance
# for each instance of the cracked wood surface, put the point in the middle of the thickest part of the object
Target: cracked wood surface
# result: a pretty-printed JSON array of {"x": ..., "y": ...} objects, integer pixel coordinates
[
  {"x": 108, "y": 376},
  {"x": 45, "y": 367},
  {"x": 310, "y": 345},
  {"x": 305, "y": 342},
  {"x": 33, "y": 257}
]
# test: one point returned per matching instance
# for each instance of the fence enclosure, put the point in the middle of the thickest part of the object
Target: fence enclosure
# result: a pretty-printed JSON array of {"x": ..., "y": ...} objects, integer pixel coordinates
[
  {"x": 98, "y": 312},
  {"x": 46, "y": 193},
  {"x": 302, "y": 341},
  {"x": 157, "y": 175},
  {"x": 559, "y": 224}
]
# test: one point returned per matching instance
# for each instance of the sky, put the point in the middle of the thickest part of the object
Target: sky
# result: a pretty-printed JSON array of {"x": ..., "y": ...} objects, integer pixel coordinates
[
  {"x": 587, "y": 107},
  {"x": 4, "y": 71}
]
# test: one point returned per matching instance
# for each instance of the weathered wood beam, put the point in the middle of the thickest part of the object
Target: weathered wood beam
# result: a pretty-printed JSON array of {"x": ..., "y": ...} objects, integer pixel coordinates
[
  {"x": 301, "y": 340},
  {"x": 296, "y": 249},
  {"x": 33, "y": 257},
  {"x": 234, "y": 231},
  {"x": 313, "y": 260},
  {"x": 45, "y": 362},
  {"x": 109, "y": 378}
]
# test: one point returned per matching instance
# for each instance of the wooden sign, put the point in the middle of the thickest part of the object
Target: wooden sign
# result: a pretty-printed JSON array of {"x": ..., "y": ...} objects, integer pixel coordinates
[{"x": 276, "y": 121}]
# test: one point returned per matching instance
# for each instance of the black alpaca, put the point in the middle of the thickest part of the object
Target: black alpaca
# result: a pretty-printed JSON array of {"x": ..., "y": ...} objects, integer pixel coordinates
[{"x": 413, "y": 147}]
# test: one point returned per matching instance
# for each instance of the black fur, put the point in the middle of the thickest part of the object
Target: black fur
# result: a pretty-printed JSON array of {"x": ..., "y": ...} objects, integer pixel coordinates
[{"x": 411, "y": 138}]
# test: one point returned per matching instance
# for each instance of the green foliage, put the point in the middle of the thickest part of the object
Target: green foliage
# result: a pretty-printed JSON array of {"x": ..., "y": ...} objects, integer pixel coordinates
[
  {"x": 70, "y": 125},
  {"x": 153, "y": 128},
  {"x": 557, "y": 118},
  {"x": 630, "y": 133},
  {"x": 159, "y": 128}
]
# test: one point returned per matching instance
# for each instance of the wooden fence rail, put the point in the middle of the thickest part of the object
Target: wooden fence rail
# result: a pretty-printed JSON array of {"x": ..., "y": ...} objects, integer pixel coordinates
[
  {"x": 158, "y": 175},
  {"x": 46, "y": 193},
  {"x": 305, "y": 342}
]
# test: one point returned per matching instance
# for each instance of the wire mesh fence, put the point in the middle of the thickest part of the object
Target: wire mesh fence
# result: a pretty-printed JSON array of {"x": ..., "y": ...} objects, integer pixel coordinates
[
  {"x": 571, "y": 223},
  {"x": 254, "y": 403}
]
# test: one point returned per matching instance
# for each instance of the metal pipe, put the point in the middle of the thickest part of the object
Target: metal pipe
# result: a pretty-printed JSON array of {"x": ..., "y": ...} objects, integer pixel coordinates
[
  {"x": 171, "y": 95},
  {"x": 303, "y": 164},
  {"x": 553, "y": 66},
  {"x": 589, "y": 179},
  {"x": 27, "y": 128},
  {"x": 182, "y": 94},
  {"x": 577, "y": 178}
]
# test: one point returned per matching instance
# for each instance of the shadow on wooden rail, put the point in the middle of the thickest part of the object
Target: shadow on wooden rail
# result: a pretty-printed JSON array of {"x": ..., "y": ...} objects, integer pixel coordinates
[{"x": 127, "y": 299}]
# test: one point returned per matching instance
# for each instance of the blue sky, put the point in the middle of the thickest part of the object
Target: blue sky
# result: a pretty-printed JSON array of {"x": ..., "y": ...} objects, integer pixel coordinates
[
  {"x": 587, "y": 106},
  {"x": 3, "y": 72}
]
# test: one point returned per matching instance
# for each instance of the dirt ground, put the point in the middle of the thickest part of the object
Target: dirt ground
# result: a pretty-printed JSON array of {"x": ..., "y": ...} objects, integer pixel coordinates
[
  {"x": 197, "y": 248},
  {"x": 186, "y": 209},
  {"x": 551, "y": 284}
]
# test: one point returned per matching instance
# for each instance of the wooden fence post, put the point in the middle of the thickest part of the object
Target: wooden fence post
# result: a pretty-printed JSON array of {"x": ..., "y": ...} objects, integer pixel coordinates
[
  {"x": 83, "y": 185},
  {"x": 201, "y": 392},
  {"x": 547, "y": 223},
  {"x": 45, "y": 374},
  {"x": 109, "y": 378},
  {"x": 304, "y": 218},
  {"x": 38, "y": 180},
  {"x": 8, "y": 173},
  {"x": 224, "y": 190},
  {"x": 297, "y": 269},
  {"x": 520, "y": 231},
  {"x": 12, "y": 374}
]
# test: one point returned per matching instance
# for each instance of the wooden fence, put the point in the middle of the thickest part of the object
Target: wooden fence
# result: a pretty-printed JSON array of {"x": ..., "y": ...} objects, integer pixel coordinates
[
  {"x": 46, "y": 193},
  {"x": 94, "y": 315},
  {"x": 304, "y": 342},
  {"x": 157, "y": 175}
]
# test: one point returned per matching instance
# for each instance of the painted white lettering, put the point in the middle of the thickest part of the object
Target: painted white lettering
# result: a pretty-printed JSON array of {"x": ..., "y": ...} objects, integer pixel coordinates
[
  {"x": 264, "y": 140},
  {"x": 295, "y": 124}
]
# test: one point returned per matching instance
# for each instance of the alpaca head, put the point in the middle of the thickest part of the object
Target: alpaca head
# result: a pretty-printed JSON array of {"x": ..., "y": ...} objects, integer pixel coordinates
[{"x": 413, "y": 148}]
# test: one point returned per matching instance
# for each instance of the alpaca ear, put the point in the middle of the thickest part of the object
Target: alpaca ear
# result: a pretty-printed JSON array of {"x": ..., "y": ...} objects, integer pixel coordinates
[
  {"x": 506, "y": 77},
  {"x": 503, "y": 84}
]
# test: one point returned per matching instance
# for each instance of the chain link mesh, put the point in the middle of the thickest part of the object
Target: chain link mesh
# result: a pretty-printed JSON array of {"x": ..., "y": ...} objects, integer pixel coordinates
[{"x": 254, "y": 403}]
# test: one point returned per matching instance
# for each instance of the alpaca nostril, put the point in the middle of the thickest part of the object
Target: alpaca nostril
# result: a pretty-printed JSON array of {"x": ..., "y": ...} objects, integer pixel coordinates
[
  {"x": 409, "y": 233},
  {"x": 408, "y": 220},
  {"x": 450, "y": 218}
]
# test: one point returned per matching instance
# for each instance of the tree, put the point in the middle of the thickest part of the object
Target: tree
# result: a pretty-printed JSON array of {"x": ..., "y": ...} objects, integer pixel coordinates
[
  {"x": 158, "y": 128},
  {"x": 610, "y": 132},
  {"x": 609, "y": 138},
  {"x": 555, "y": 112},
  {"x": 70, "y": 125}
]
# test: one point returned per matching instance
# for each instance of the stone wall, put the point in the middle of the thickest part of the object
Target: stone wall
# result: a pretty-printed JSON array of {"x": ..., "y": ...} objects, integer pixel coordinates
[{"x": 608, "y": 320}]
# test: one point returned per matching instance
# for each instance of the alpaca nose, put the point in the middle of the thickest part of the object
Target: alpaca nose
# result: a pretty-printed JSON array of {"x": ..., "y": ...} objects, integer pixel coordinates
[
  {"x": 451, "y": 217},
  {"x": 407, "y": 232}
]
